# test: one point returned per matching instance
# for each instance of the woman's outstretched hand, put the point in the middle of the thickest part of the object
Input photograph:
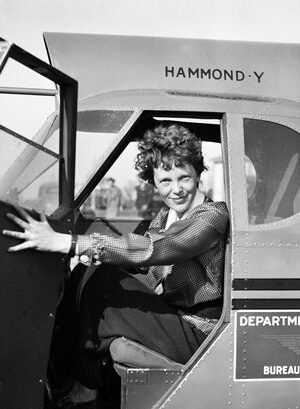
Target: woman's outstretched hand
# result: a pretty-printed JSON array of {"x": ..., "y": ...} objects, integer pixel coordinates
[{"x": 37, "y": 235}]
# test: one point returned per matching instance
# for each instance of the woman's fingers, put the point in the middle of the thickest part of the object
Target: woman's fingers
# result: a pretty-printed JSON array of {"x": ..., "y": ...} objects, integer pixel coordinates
[
  {"x": 43, "y": 217},
  {"x": 16, "y": 234},
  {"x": 19, "y": 235},
  {"x": 23, "y": 246},
  {"x": 24, "y": 214},
  {"x": 17, "y": 220}
]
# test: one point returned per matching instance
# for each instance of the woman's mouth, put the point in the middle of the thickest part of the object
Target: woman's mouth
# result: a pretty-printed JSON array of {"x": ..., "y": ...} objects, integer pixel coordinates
[{"x": 179, "y": 199}]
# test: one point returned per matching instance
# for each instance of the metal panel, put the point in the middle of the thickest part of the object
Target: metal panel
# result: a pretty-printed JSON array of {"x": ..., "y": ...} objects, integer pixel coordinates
[
  {"x": 125, "y": 62},
  {"x": 141, "y": 388},
  {"x": 273, "y": 284},
  {"x": 29, "y": 290},
  {"x": 211, "y": 384}
]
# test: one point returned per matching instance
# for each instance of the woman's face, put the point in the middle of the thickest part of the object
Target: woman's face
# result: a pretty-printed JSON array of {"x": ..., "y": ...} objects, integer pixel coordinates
[{"x": 177, "y": 186}]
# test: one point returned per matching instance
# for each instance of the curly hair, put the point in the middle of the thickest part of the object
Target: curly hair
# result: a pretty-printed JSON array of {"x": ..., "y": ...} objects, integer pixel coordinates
[{"x": 167, "y": 146}]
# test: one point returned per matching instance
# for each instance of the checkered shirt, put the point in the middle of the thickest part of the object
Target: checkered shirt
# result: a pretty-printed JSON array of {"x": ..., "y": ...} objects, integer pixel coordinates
[{"x": 185, "y": 261}]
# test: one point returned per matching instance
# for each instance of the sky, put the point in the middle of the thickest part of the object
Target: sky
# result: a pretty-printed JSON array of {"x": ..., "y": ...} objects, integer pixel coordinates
[{"x": 24, "y": 21}]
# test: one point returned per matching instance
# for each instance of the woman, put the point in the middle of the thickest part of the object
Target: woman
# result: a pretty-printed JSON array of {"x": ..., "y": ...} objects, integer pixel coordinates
[{"x": 181, "y": 256}]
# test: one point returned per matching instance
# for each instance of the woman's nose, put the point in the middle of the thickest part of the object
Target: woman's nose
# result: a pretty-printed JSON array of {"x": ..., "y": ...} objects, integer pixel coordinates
[{"x": 177, "y": 188}]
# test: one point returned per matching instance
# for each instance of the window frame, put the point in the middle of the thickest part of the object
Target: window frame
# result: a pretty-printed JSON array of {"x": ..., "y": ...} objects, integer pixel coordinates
[{"x": 67, "y": 91}]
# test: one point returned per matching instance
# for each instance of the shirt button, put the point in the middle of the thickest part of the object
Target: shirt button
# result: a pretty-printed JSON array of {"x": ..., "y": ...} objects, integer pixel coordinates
[{"x": 84, "y": 258}]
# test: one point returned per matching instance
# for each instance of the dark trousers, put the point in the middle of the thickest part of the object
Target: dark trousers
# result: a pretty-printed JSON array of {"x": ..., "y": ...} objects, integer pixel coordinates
[{"x": 112, "y": 304}]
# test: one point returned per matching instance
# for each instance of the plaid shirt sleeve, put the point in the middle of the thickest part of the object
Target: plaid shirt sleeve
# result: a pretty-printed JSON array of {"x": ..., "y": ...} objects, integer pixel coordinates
[{"x": 183, "y": 240}]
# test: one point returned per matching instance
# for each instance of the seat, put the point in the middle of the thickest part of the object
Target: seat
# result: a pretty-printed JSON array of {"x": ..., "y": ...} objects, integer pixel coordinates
[{"x": 145, "y": 374}]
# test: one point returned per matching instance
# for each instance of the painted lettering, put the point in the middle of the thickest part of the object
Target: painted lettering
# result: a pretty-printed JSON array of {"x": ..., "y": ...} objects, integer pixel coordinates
[
  {"x": 228, "y": 75},
  {"x": 217, "y": 74},
  {"x": 276, "y": 370},
  {"x": 168, "y": 71},
  {"x": 212, "y": 73},
  {"x": 193, "y": 73},
  {"x": 239, "y": 76},
  {"x": 180, "y": 72},
  {"x": 205, "y": 73},
  {"x": 243, "y": 321},
  {"x": 270, "y": 321},
  {"x": 258, "y": 76}
]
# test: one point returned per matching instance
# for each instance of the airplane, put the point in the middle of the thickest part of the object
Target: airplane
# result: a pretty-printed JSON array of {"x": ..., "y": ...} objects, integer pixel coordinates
[{"x": 242, "y": 99}]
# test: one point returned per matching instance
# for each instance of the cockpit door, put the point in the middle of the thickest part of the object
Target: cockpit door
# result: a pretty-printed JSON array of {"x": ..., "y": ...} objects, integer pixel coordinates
[{"x": 35, "y": 172}]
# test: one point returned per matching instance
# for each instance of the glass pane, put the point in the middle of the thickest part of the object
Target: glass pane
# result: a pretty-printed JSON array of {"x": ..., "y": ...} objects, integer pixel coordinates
[
  {"x": 30, "y": 115},
  {"x": 28, "y": 176},
  {"x": 272, "y": 168},
  {"x": 15, "y": 74},
  {"x": 96, "y": 133},
  {"x": 121, "y": 195},
  {"x": 212, "y": 180}
]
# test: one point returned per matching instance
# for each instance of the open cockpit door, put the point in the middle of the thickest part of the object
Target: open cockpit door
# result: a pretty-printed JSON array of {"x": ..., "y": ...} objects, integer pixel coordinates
[{"x": 36, "y": 171}]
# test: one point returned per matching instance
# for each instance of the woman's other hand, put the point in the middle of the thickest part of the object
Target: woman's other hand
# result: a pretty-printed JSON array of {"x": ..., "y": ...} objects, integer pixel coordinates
[{"x": 37, "y": 235}]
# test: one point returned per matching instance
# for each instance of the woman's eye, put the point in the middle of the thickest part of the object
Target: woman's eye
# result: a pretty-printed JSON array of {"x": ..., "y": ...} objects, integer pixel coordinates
[{"x": 165, "y": 182}]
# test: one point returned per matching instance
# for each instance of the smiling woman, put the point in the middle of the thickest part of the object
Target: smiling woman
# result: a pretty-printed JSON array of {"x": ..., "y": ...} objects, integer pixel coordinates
[
  {"x": 181, "y": 256},
  {"x": 172, "y": 160}
]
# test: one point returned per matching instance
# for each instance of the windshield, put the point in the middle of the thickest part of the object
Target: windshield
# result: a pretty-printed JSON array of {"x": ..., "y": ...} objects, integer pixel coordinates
[{"x": 98, "y": 131}]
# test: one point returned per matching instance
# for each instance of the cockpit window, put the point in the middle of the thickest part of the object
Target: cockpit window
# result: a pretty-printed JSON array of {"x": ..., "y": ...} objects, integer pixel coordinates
[
  {"x": 126, "y": 201},
  {"x": 272, "y": 168},
  {"x": 27, "y": 172},
  {"x": 97, "y": 133},
  {"x": 29, "y": 138}
]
